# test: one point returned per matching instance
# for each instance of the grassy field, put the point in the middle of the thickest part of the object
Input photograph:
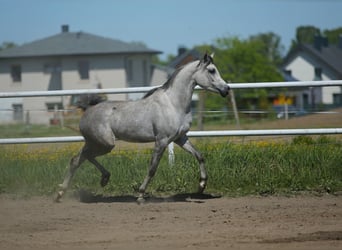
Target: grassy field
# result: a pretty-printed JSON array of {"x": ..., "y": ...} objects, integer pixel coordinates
[
  {"x": 236, "y": 166},
  {"x": 21, "y": 130},
  {"x": 261, "y": 167}
]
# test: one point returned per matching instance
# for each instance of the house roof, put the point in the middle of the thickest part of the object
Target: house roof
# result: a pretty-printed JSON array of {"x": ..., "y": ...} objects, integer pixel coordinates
[
  {"x": 288, "y": 77},
  {"x": 184, "y": 57},
  {"x": 329, "y": 55},
  {"x": 75, "y": 43}
]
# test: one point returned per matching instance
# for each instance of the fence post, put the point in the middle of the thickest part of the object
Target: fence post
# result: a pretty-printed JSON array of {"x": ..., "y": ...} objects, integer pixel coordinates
[
  {"x": 236, "y": 114},
  {"x": 27, "y": 121},
  {"x": 286, "y": 111},
  {"x": 61, "y": 119}
]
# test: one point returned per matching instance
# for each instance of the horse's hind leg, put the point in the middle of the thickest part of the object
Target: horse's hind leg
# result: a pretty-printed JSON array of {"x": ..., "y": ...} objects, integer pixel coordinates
[
  {"x": 105, "y": 174},
  {"x": 75, "y": 162},
  {"x": 187, "y": 146},
  {"x": 105, "y": 144}
]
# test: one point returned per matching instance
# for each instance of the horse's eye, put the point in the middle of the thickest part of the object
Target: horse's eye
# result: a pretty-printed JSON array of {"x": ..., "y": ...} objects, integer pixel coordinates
[{"x": 211, "y": 71}]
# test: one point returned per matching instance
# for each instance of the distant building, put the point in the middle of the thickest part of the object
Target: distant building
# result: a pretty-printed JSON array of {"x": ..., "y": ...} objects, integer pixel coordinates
[
  {"x": 70, "y": 60},
  {"x": 183, "y": 57},
  {"x": 318, "y": 61}
]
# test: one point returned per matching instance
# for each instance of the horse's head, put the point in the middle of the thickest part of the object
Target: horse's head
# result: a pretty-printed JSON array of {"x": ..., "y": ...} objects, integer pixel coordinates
[{"x": 208, "y": 77}]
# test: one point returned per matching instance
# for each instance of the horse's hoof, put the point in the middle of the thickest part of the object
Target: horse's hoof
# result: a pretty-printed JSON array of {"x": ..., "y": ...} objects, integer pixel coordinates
[
  {"x": 201, "y": 187},
  {"x": 141, "y": 199},
  {"x": 58, "y": 196},
  {"x": 105, "y": 180}
]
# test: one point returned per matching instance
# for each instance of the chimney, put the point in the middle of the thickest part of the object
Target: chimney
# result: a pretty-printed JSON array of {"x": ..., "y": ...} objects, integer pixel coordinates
[
  {"x": 65, "y": 28},
  {"x": 317, "y": 42},
  {"x": 325, "y": 41},
  {"x": 320, "y": 42},
  {"x": 181, "y": 50}
]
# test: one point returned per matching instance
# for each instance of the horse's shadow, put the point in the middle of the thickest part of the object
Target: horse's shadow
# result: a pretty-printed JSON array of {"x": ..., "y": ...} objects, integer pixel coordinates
[{"x": 88, "y": 197}]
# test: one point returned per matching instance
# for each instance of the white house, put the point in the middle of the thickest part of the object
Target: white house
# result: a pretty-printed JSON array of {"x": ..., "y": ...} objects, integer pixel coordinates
[
  {"x": 70, "y": 60},
  {"x": 318, "y": 61}
]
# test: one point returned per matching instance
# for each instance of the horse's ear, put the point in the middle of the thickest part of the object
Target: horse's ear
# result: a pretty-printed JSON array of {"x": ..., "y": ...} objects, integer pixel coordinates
[{"x": 206, "y": 58}]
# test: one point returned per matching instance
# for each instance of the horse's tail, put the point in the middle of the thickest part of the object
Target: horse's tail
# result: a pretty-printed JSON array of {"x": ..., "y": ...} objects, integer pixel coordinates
[{"x": 87, "y": 100}]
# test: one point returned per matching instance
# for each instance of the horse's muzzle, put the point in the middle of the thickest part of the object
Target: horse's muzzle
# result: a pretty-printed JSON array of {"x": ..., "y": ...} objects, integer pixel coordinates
[{"x": 224, "y": 91}]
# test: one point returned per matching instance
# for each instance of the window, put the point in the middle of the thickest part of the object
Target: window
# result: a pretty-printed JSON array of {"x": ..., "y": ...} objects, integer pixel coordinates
[
  {"x": 16, "y": 73},
  {"x": 52, "y": 106},
  {"x": 47, "y": 68},
  {"x": 144, "y": 70},
  {"x": 83, "y": 70},
  {"x": 305, "y": 101},
  {"x": 18, "y": 112},
  {"x": 318, "y": 74},
  {"x": 129, "y": 69},
  {"x": 337, "y": 99},
  {"x": 52, "y": 67}
]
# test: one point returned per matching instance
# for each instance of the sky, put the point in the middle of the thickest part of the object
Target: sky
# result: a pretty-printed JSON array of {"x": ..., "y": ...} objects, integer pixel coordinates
[{"x": 165, "y": 25}]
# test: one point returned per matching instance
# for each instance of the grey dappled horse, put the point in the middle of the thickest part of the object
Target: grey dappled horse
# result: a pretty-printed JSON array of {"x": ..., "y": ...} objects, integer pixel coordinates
[{"x": 162, "y": 116}]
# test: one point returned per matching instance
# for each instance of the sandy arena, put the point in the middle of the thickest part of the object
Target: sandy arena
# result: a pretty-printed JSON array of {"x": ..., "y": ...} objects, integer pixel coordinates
[{"x": 177, "y": 222}]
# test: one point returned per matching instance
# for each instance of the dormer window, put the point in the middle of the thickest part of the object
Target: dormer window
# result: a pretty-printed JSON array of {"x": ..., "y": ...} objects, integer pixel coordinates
[{"x": 288, "y": 72}]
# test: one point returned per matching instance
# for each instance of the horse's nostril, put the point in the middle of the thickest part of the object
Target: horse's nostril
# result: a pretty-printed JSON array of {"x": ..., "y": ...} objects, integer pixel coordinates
[{"x": 224, "y": 92}]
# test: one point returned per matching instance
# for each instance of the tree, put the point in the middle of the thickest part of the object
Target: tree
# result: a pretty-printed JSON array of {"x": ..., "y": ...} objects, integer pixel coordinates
[
  {"x": 272, "y": 46},
  {"x": 245, "y": 60},
  {"x": 333, "y": 35},
  {"x": 255, "y": 59},
  {"x": 248, "y": 60},
  {"x": 305, "y": 34},
  {"x": 7, "y": 45}
]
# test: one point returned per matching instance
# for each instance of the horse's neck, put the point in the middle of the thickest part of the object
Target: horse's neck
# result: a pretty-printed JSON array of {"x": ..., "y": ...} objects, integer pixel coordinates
[{"x": 182, "y": 88}]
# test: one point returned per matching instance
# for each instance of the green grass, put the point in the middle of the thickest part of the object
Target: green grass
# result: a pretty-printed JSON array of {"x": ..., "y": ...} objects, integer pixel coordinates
[
  {"x": 22, "y": 130},
  {"x": 305, "y": 164}
]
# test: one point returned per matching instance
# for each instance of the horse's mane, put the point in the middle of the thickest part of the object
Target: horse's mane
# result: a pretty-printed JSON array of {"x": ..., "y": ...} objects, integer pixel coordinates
[
  {"x": 166, "y": 85},
  {"x": 87, "y": 100}
]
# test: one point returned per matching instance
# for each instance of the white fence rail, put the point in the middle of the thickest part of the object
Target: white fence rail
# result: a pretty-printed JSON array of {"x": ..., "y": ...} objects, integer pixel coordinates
[
  {"x": 191, "y": 133},
  {"x": 146, "y": 89},
  {"x": 213, "y": 133}
]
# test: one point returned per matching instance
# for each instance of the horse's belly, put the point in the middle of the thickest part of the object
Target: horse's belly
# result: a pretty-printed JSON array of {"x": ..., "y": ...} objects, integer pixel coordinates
[
  {"x": 134, "y": 138},
  {"x": 133, "y": 134},
  {"x": 142, "y": 126}
]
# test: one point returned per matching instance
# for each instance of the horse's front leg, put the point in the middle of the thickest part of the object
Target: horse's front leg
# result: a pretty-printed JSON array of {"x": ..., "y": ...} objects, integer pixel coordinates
[
  {"x": 158, "y": 151},
  {"x": 187, "y": 146}
]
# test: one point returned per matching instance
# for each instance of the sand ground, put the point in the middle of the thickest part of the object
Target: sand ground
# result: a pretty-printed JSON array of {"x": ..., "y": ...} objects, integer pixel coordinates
[{"x": 184, "y": 221}]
